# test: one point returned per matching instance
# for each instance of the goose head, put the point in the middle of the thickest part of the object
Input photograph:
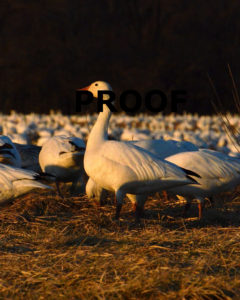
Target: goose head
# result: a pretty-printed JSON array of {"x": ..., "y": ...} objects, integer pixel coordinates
[{"x": 97, "y": 86}]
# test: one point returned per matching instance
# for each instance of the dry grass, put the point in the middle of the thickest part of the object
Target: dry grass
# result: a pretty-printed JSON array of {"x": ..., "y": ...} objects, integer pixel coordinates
[{"x": 71, "y": 249}]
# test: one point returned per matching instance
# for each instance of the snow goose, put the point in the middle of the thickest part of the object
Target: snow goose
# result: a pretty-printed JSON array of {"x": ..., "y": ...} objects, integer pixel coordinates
[
  {"x": 125, "y": 168},
  {"x": 15, "y": 182},
  {"x": 219, "y": 173},
  {"x": 8, "y": 153},
  {"x": 162, "y": 149},
  {"x": 62, "y": 157}
]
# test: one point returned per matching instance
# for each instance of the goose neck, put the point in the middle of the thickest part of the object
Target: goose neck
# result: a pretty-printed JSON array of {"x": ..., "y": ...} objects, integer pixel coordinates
[{"x": 99, "y": 132}]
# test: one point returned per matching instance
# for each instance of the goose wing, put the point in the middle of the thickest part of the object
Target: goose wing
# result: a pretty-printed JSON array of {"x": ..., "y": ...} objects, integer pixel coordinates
[
  {"x": 64, "y": 144},
  {"x": 13, "y": 174},
  {"x": 15, "y": 182},
  {"x": 207, "y": 163},
  {"x": 163, "y": 148},
  {"x": 142, "y": 163}
]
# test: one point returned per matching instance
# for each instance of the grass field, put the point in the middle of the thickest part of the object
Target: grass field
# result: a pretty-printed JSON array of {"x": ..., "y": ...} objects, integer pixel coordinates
[{"x": 52, "y": 248}]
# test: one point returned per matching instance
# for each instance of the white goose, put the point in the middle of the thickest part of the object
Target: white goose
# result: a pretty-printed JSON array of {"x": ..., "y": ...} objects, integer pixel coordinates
[
  {"x": 15, "y": 182},
  {"x": 8, "y": 153},
  {"x": 162, "y": 148},
  {"x": 219, "y": 173},
  {"x": 62, "y": 157},
  {"x": 125, "y": 168}
]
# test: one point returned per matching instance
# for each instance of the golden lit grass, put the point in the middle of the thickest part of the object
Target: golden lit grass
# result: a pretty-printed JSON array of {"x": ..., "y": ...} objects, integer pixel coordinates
[{"x": 71, "y": 249}]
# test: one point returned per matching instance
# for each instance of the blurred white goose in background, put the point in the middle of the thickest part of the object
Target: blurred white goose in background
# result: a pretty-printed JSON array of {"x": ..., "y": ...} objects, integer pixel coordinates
[
  {"x": 219, "y": 173},
  {"x": 125, "y": 168},
  {"x": 8, "y": 153},
  {"x": 15, "y": 182},
  {"x": 201, "y": 130},
  {"x": 62, "y": 157}
]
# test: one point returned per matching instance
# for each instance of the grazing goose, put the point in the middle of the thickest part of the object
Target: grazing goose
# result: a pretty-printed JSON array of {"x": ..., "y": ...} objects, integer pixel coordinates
[
  {"x": 93, "y": 190},
  {"x": 15, "y": 182},
  {"x": 8, "y": 153},
  {"x": 219, "y": 173},
  {"x": 125, "y": 168},
  {"x": 62, "y": 157}
]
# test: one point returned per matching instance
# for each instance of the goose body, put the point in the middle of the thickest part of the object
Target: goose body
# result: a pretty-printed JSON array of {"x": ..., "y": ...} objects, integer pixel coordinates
[
  {"x": 62, "y": 157},
  {"x": 8, "y": 152},
  {"x": 162, "y": 148},
  {"x": 218, "y": 173},
  {"x": 125, "y": 168},
  {"x": 15, "y": 182},
  {"x": 116, "y": 165}
]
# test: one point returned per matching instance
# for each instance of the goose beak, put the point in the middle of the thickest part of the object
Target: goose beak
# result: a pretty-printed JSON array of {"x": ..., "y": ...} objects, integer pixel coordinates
[{"x": 84, "y": 89}]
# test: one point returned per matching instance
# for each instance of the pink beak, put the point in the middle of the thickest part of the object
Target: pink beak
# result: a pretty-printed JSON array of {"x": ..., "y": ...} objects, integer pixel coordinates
[{"x": 84, "y": 89}]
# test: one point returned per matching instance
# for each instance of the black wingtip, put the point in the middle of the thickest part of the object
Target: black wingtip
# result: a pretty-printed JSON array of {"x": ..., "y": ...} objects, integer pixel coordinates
[
  {"x": 44, "y": 175},
  {"x": 77, "y": 148},
  {"x": 192, "y": 179},
  {"x": 191, "y": 173}
]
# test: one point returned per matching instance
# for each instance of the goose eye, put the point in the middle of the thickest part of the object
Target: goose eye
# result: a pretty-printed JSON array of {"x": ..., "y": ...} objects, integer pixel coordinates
[{"x": 96, "y": 84}]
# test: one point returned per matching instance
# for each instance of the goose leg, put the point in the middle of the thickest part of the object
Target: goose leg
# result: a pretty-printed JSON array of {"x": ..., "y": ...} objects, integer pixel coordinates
[
  {"x": 199, "y": 211},
  {"x": 200, "y": 207},
  {"x": 138, "y": 202},
  {"x": 58, "y": 190},
  {"x": 101, "y": 200},
  {"x": 165, "y": 195},
  {"x": 118, "y": 210},
  {"x": 119, "y": 201}
]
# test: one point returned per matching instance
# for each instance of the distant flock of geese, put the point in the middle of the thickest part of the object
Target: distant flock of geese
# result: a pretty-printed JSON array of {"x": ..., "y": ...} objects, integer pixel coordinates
[{"x": 132, "y": 169}]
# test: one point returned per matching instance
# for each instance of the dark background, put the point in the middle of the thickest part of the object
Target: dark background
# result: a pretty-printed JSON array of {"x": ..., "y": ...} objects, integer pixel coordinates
[{"x": 50, "y": 48}]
